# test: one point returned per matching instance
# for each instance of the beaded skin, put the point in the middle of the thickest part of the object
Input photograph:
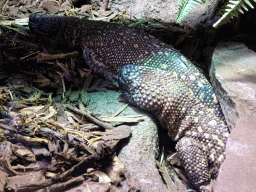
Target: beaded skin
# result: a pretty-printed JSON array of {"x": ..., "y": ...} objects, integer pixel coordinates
[{"x": 155, "y": 77}]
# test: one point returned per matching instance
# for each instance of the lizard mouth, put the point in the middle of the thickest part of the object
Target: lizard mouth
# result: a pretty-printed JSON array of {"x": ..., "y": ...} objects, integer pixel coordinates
[
  {"x": 123, "y": 84},
  {"x": 127, "y": 81}
]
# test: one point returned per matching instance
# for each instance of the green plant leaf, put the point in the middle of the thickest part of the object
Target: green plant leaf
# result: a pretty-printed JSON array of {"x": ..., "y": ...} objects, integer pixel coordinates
[
  {"x": 231, "y": 9},
  {"x": 185, "y": 7}
]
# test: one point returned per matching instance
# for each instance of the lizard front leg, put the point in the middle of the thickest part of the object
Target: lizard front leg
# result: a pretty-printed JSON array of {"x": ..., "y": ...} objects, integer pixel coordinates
[{"x": 195, "y": 162}]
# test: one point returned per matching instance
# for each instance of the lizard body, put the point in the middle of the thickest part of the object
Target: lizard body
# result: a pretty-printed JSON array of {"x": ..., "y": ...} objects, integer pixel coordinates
[
  {"x": 201, "y": 135},
  {"x": 195, "y": 119}
]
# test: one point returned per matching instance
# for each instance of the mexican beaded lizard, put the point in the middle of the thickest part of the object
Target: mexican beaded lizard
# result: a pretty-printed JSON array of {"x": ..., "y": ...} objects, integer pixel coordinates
[{"x": 155, "y": 77}]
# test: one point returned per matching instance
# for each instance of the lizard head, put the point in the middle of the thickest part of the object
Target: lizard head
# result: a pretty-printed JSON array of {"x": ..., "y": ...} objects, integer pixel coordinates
[{"x": 138, "y": 85}]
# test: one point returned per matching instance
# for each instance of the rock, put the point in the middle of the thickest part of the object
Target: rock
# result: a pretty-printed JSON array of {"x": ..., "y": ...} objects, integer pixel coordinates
[
  {"x": 233, "y": 76},
  {"x": 50, "y": 6},
  {"x": 166, "y": 11},
  {"x": 3, "y": 180},
  {"x": 13, "y": 10},
  {"x": 18, "y": 182},
  {"x": 138, "y": 155}
]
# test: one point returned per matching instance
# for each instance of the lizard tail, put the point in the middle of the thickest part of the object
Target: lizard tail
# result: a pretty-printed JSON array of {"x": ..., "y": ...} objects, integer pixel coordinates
[{"x": 46, "y": 25}]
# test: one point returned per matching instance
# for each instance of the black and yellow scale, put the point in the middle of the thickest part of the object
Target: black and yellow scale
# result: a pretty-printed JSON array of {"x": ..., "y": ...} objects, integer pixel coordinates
[{"x": 155, "y": 77}]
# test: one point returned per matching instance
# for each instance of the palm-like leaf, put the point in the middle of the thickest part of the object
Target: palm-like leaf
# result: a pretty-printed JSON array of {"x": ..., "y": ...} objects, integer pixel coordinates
[
  {"x": 232, "y": 9},
  {"x": 185, "y": 7}
]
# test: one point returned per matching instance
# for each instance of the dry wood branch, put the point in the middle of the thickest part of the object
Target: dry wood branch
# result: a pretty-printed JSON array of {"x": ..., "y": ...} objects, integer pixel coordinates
[
  {"x": 62, "y": 186},
  {"x": 58, "y": 178},
  {"x": 42, "y": 57},
  {"x": 90, "y": 118},
  {"x": 29, "y": 55},
  {"x": 5, "y": 164},
  {"x": 11, "y": 132},
  {"x": 127, "y": 119},
  {"x": 31, "y": 141},
  {"x": 6, "y": 127},
  {"x": 68, "y": 157},
  {"x": 35, "y": 186},
  {"x": 86, "y": 148},
  {"x": 66, "y": 174}
]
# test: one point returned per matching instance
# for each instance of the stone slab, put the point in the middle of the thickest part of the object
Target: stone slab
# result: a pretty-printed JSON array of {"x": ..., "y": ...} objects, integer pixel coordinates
[
  {"x": 166, "y": 11},
  {"x": 233, "y": 74},
  {"x": 139, "y": 154}
]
